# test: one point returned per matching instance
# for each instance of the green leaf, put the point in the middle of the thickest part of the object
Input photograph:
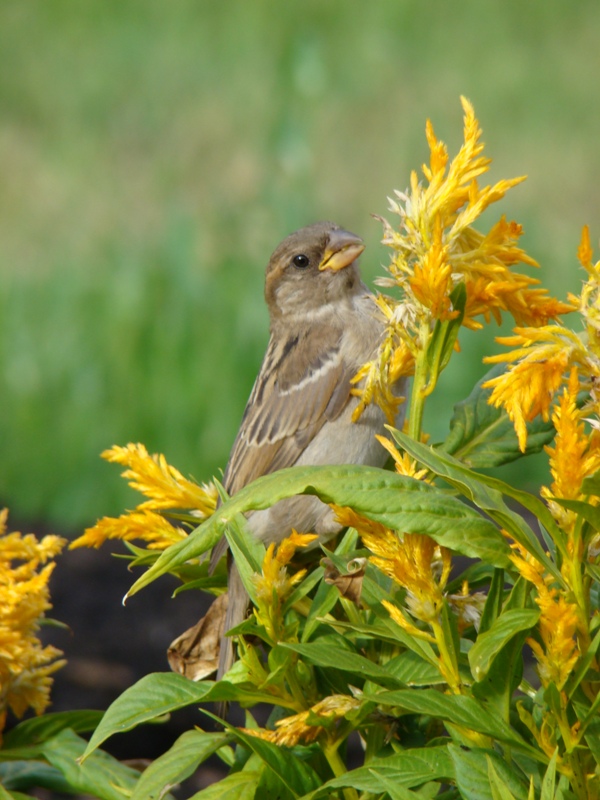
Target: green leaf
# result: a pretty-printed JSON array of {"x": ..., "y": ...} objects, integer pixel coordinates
[
  {"x": 493, "y": 603},
  {"x": 38, "y": 729},
  {"x": 6, "y": 795},
  {"x": 101, "y": 776},
  {"x": 296, "y": 775},
  {"x": 394, "y": 791},
  {"x": 408, "y": 769},
  {"x": 15, "y": 775},
  {"x": 324, "y": 600},
  {"x": 394, "y": 500},
  {"x": 248, "y": 552},
  {"x": 482, "y": 436},
  {"x": 486, "y": 493},
  {"x": 151, "y": 697},
  {"x": 549, "y": 780},
  {"x": 505, "y": 674},
  {"x": 244, "y": 694},
  {"x": 585, "y": 510},
  {"x": 411, "y": 670},
  {"x": 178, "y": 763},
  {"x": 472, "y": 773},
  {"x": 205, "y": 584},
  {"x": 239, "y": 786},
  {"x": 451, "y": 636},
  {"x": 497, "y": 786},
  {"x": 386, "y": 630},
  {"x": 337, "y": 658},
  {"x": 456, "y": 709},
  {"x": 443, "y": 339},
  {"x": 489, "y": 644},
  {"x": 304, "y": 587},
  {"x": 591, "y": 484},
  {"x": 583, "y": 666}
]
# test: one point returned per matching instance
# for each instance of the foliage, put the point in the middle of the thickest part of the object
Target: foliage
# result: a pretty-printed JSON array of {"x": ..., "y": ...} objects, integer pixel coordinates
[{"x": 390, "y": 638}]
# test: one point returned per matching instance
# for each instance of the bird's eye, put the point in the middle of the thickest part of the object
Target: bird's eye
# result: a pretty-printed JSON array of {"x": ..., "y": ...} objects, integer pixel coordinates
[{"x": 301, "y": 261}]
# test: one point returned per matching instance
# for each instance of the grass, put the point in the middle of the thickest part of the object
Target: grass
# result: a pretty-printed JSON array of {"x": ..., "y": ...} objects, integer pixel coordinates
[{"x": 152, "y": 155}]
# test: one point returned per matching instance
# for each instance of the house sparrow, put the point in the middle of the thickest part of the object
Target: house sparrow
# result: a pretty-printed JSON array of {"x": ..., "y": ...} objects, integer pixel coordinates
[{"x": 324, "y": 327}]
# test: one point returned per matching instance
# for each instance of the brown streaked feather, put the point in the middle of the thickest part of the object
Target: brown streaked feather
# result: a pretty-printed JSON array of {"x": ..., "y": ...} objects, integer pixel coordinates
[{"x": 300, "y": 386}]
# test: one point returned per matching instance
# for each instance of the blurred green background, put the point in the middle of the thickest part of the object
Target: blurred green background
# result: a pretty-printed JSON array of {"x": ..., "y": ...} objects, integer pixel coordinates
[{"x": 153, "y": 154}]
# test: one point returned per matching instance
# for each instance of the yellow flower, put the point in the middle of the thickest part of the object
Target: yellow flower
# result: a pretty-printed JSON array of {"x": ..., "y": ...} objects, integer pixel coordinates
[
  {"x": 274, "y": 577},
  {"x": 274, "y": 584},
  {"x": 167, "y": 489},
  {"x": 25, "y": 665},
  {"x": 545, "y": 355},
  {"x": 436, "y": 248},
  {"x": 412, "y": 561},
  {"x": 307, "y": 726},
  {"x": 393, "y": 361},
  {"x": 588, "y": 303},
  {"x": 558, "y": 624},
  {"x": 575, "y": 454},
  {"x": 148, "y": 526},
  {"x": 163, "y": 484},
  {"x": 405, "y": 465},
  {"x": 528, "y": 388}
]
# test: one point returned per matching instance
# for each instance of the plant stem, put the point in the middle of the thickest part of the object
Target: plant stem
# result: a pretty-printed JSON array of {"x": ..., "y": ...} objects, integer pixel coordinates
[
  {"x": 448, "y": 664},
  {"x": 338, "y": 767},
  {"x": 418, "y": 393}
]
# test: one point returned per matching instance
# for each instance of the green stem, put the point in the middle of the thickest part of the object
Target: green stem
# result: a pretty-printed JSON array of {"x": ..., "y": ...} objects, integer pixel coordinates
[
  {"x": 450, "y": 667},
  {"x": 419, "y": 387},
  {"x": 338, "y": 767}
]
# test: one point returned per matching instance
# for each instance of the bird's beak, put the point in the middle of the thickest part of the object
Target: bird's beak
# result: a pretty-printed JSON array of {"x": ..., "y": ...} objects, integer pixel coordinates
[{"x": 343, "y": 248}]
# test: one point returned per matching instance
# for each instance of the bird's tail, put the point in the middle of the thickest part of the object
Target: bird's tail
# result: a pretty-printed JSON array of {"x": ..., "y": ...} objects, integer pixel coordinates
[{"x": 237, "y": 609}]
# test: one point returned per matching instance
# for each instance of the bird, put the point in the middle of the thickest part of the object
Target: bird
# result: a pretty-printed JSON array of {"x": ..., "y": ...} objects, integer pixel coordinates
[{"x": 324, "y": 326}]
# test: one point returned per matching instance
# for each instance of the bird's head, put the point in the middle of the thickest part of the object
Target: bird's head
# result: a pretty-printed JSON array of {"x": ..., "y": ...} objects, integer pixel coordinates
[{"x": 312, "y": 269}]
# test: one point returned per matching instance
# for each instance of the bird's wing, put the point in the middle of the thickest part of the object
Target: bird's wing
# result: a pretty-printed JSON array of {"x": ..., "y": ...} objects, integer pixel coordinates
[{"x": 302, "y": 384}]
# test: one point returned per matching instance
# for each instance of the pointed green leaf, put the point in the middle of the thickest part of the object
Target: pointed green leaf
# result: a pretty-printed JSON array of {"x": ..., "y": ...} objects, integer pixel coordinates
[
  {"x": 482, "y": 436},
  {"x": 239, "y": 786},
  {"x": 12, "y": 795},
  {"x": 296, "y": 775},
  {"x": 583, "y": 666},
  {"x": 472, "y": 774},
  {"x": 493, "y": 603},
  {"x": 38, "y": 729},
  {"x": 548, "y": 783},
  {"x": 586, "y": 511},
  {"x": 17, "y": 775},
  {"x": 591, "y": 484},
  {"x": 324, "y": 600},
  {"x": 101, "y": 776},
  {"x": 456, "y": 709},
  {"x": 489, "y": 644},
  {"x": 178, "y": 763},
  {"x": 394, "y": 500},
  {"x": 151, "y": 697},
  {"x": 411, "y": 670},
  {"x": 486, "y": 492},
  {"x": 503, "y": 677},
  {"x": 499, "y": 790},
  {"x": 327, "y": 655},
  {"x": 408, "y": 769},
  {"x": 445, "y": 333},
  {"x": 248, "y": 553}
]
